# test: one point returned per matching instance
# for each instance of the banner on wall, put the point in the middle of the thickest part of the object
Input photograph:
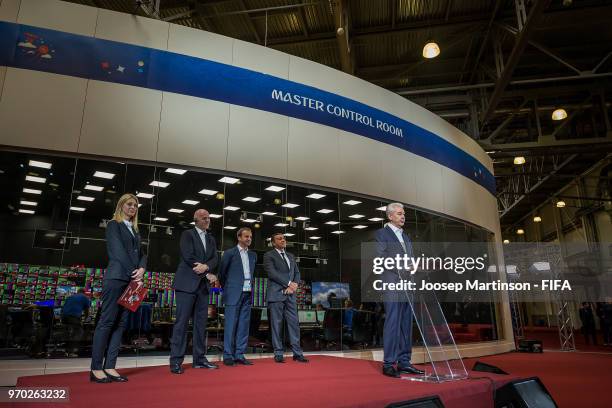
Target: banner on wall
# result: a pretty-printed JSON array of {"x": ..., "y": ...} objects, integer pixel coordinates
[{"x": 39, "y": 49}]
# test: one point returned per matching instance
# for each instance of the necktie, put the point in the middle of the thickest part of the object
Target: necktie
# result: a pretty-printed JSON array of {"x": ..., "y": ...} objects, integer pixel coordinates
[
  {"x": 203, "y": 238},
  {"x": 404, "y": 246},
  {"x": 285, "y": 258}
]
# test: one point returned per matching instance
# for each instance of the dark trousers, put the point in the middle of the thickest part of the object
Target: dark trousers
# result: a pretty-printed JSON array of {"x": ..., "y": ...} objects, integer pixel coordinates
[
  {"x": 74, "y": 332},
  {"x": 589, "y": 331},
  {"x": 194, "y": 306},
  {"x": 236, "y": 330},
  {"x": 110, "y": 327},
  {"x": 285, "y": 310},
  {"x": 397, "y": 334}
]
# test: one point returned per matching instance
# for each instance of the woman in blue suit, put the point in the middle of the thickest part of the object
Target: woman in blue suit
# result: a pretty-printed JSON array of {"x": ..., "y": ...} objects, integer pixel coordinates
[{"x": 126, "y": 262}]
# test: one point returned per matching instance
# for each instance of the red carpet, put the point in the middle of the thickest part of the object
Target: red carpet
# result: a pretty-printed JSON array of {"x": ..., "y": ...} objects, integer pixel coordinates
[{"x": 573, "y": 379}]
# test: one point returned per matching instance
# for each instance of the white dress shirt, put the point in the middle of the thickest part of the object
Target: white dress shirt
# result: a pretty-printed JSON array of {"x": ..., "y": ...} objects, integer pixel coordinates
[
  {"x": 246, "y": 268},
  {"x": 130, "y": 227},
  {"x": 399, "y": 234},
  {"x": 202, "y": 235}
]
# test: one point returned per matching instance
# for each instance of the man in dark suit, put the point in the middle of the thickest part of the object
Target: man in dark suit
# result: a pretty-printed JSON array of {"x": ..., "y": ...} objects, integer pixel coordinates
[
  {"x": 236, "y": 274},
  {"x": 283, "y": 275},
  {"x": 191, "y": 282},
  {"x": 397, "y": 333}
]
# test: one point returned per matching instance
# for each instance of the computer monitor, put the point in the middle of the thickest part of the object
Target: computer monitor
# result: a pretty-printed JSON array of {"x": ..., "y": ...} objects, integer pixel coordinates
[
  {"x": 264, "y": 314},
  {"x": 307, "y": 316},
  {"x": 320, "y": 315},
  {"x": 325, "y": 292}
]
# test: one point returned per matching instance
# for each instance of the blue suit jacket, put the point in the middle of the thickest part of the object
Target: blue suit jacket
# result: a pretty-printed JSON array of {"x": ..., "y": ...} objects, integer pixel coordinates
[
  {"x": 389, "y": 246},
  {"x": 231, "y": 274},
  {"x": 125, "y": 253},
  {"x": 279, "y": 275},
  {"x": 192, "y": 251}
]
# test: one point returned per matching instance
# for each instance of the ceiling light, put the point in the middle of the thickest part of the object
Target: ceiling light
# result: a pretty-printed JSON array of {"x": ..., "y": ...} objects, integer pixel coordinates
[
  {"x": 31, "y": 191},
  {"x": 560, "y": 203},
  {"x": 93, "y": 187},
  {"x": 311, "y": 228},
  {"x": 160, "y": 219},
  {"x": 325, "y": 211},
  {"x": 249, "y": 220},
  {"x": 23, "y": 211},
  {"x": 32, "y": 203},
  {"x": 431, "y": 50},
  {"x": 85, "y": 198},
  {"x": 229, "y": 180},
  {"x": 375, "y": 219},
  {"x": 537, "y": 219},
  {"x": 175, "y": 210},
  {"x": 251, "y": 199},
  {"x": 302, "y": 218},
  {"x": 559, "y": 114},
  {"x": 520, "y": 231},
  {"x": 519, "y": 160},
  {"x": 268, "y": 213},
  {"x": 35, "y": 179},
  {"x": 290, "y": 205},
  {"x": 506, "y": 241},
  {"x": 314, "y": 237},
  {"x": 190, "y": 202},
  {"x": 356, "y": 216},
  {"x": 145, "y": 195},
  {"x": 104, "y": 175},
  {"x": 207, "y": 192},
  {"x": 338, "y": 232},
  {"x": 42, "y": 165},
  {"x": 315, "y": 196},
  {"x": 332, "y": 222},
  {"x": 230, "y": 227},
  {"x": 215, "y": 215},
  {"x": 220, "y": 196},
  {"x": 360, "y": 226},
  {"x": 176, "y": 171},
  {"x": 80, "y": 209},
  {"x": 352, "y": 202},
  {"x": 160, "y": 184},
  {"x": 383, "y": 208},
  {"x": 288, "y": 234},
  {"x": 231, "y": 208},
  {"x": 276, "y": 189},
  {"x": 281, "y": 224}
]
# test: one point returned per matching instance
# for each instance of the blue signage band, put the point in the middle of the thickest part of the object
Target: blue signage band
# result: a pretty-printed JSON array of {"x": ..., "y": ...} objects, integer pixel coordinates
[{"x": 86, "y": 57}]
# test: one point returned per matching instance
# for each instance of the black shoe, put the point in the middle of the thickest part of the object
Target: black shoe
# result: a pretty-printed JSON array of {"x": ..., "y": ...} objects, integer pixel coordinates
[
  {"x": 300, "y": 359},
  {"x": 116, "y": 378},
  {"x": 243, "y": 361},
  {"x": 229, "y": 362},
  {"x": 176, "y": 369},
  {"x": 390, "y": 372},
  {"x": 206, "y": 364},
  {"x": 279, "y": 359},
  {"x": 93, "y": 378},
  {"x": 410, "y": 369}
]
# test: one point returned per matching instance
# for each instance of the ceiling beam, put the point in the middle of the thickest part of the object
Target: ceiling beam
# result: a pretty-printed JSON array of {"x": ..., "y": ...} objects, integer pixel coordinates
[
  {"x": 521, "y": 42},
  {"x": 485, "y": 40}
]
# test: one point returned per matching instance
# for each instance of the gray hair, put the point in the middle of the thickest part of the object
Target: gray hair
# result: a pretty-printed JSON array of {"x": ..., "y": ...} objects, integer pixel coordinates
[{"x": 393, "y": 207}]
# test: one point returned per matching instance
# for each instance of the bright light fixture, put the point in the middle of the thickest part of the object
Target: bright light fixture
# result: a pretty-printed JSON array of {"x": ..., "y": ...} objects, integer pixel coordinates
[
  {"x": 352, "y": 202},
  {"x": 314, "y": 237},
  {"x": 276, "y": 189},
  {"x": 288, "y": 234},
  {"x": 80, "y": 209},
  {"x": 145, "y": 195},
  {"x": 302, "y": 218},
  {"x": 93, "y": 187},
  {"x": 251, "y": 199},
  {"x": 281, "y": 224},
  {"x": 23, "y": 211},
  {"x": 520, "y": 231},
  {"x": 176, "y": 210},
  {"x": 231, "y": 208},
  {"x": 249, "y": 220},
  {"x": 431, "y": 50},
  {"x": 559, "y": 114},
  {"x": 35, "y": 179},
  {"x": 315, "y": 196},
  {"x": 338, "y": 232},
  {"x": 160, "y": 184},
  {"x": 311, "y": 228},
  {"x": 207, "y": 192},
  {"x": 506, "y": 241},
  {"x": 85, "y": 198},
  {"x": 176, "y": 171},
  {"x": 160, "y": 219},
  {"x": 230, "y": 227},
  {"x": 31, "y": 191},
  {"x": 519, "y": 160},
  {"x": 190, "y": 202},
  {"x": 31, "y": 203},
  {"x": 268, "y": 213},
  {"x": 537, "y": 219},
  {"x": 375, "y": 219},
  {"x": 325, "y": 211},
  {"x": 356, "y": 216},
  {"x": 229, "y": 180},
  {"x": 42, "y": 165},
  {"x": 360, "y": 226},
  {"x": 215, "y": 215},
  {"x": 383, "y": 208},
  {"x": 332, "y": 222},
  {"x": 560, "y": 203},
  {"x": 104, "y": 175},
  {"x": 290, "y": 205}
]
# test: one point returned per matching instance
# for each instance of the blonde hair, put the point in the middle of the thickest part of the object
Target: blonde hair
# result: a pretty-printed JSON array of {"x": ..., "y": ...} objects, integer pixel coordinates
[{"x": 118, "y": 216}]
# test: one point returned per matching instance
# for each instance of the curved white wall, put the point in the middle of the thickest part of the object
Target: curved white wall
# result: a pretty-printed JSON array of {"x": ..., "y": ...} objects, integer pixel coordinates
[{"x": 64, "y": 113}]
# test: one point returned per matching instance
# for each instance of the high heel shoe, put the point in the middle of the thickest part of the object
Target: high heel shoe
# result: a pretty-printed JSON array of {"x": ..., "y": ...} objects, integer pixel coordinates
[
  {"x": 116, "y": 378},
  {"x": 93, "y": 378}
]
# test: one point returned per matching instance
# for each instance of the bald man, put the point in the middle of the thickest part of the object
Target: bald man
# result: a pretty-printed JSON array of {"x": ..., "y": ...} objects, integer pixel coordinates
[{"x": 193, "y": 277}]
